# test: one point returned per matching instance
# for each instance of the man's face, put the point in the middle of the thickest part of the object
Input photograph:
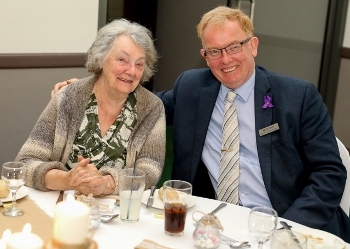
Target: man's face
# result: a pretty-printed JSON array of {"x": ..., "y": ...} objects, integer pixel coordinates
[{"x": 232, "y": 70}]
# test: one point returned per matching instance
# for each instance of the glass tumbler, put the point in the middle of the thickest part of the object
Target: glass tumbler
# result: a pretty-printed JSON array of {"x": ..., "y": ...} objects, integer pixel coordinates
[
  {"x": 283, "y": 239},
  {"x": 95, "y": 216}
]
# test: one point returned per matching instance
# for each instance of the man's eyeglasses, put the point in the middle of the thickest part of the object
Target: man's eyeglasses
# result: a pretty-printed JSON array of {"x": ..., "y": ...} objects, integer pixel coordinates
[{"x": 230, "y": 49}]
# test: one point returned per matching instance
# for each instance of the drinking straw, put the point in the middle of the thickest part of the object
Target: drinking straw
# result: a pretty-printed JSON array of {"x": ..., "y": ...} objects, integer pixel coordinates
[{"x": 132, "y": 181}]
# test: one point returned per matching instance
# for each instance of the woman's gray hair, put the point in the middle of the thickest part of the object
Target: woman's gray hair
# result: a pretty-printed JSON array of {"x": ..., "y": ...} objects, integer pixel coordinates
[{"x": 104, "y": 42}]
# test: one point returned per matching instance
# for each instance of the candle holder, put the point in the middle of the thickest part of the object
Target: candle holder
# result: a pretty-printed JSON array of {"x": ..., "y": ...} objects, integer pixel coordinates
[{"x": 88, "y": 244}]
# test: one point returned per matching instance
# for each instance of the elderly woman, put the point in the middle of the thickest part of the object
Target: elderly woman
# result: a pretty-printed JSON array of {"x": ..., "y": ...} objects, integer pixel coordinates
[{"x": 92, "y": 129}]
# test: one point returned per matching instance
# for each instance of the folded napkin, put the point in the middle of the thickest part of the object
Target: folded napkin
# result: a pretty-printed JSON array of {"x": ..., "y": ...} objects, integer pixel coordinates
[
  {"x": 149, "y": 244},
  {"x": 107, "y": 206}
]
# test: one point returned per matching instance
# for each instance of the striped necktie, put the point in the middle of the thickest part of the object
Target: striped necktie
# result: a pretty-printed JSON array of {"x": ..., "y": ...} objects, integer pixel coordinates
[{"x": 229, "y": 161}]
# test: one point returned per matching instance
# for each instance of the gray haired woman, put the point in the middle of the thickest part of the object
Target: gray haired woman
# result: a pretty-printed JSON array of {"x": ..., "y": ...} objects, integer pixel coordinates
[{"x": 92, "y": 129}]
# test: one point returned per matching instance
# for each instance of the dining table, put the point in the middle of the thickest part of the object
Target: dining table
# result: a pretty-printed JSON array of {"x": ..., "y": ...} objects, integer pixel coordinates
[{"x": 119, "y": 234}]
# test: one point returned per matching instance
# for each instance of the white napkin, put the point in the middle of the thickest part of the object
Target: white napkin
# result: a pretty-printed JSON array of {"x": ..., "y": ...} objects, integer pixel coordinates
[
  {"x": 149, "y": 244},
  {"x": 107, "y": 206}
]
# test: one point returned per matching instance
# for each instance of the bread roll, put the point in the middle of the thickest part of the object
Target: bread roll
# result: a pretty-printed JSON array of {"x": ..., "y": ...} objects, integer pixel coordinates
[
  {"x": 171, "y": 194},
  {"x": 4, "y": 191}
]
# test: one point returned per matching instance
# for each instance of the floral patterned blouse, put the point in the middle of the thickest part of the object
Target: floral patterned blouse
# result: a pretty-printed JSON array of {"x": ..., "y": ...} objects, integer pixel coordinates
[{"x": 109, "y": 150}]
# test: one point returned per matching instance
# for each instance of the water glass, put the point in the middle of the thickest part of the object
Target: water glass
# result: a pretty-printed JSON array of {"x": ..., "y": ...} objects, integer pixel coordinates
[
  {"x": 13, "y": 174},
  {"x": 176, "y": 198},
  {"x": 131, "y": 187},
  {"x": 283, "y": 239},
  {"x": 262, "y": 223}
]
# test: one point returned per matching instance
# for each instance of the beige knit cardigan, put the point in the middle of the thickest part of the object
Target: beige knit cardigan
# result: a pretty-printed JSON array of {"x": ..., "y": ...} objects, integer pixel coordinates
[{"x": 52, "y": 137}]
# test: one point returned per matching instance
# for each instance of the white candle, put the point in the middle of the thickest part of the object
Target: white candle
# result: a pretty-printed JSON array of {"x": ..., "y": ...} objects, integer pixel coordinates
[
  {"x": 5, "y": 237},
  {"x": 25, "y": 239},
  {"x": 71, "y": 222}
]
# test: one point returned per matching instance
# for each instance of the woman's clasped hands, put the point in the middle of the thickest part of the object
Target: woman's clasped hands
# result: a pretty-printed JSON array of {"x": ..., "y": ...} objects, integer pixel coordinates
[{"x": 86, "y": 179}]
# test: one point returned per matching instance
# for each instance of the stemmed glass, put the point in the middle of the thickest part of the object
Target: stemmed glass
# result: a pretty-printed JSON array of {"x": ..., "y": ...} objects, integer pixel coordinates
[
  {"x": 262, "y": 223},
  {"x": 13, "y": 174}
]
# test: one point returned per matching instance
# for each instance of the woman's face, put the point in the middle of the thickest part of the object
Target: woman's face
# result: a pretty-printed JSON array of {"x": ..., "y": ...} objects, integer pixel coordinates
[{"x": 124, "y": 66}]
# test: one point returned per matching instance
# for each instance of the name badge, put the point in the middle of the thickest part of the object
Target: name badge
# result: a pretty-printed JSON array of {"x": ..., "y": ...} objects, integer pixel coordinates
[{"x": 268, "y": 129}]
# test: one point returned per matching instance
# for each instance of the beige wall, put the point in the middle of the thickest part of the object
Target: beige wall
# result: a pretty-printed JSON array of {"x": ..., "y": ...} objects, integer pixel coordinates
[
  {"x": 42, "y": 26},
  {"x": 38, "y": 26},
  {"x": 24, "y": 93},
  {"x": 346, "y": 42}
]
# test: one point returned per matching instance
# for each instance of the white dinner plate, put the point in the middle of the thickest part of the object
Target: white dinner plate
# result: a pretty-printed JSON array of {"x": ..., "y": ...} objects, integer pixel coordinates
[
  {"x": 22, "y": 192},
  {"x": 157, "y": 202},
  {"x": 321, "y": 239}
]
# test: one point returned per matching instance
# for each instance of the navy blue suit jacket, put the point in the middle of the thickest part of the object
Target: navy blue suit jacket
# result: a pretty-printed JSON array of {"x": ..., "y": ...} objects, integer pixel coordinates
[{"x": 300, "y": 163}]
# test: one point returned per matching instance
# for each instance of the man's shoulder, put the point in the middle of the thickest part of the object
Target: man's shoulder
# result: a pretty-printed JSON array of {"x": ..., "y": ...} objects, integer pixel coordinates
[
  {"x": 278, "y": 77},
  {"x": 278, "y": 80},
  {"x": 197, "y": 76},
  {"x": 198, "y": 72}
]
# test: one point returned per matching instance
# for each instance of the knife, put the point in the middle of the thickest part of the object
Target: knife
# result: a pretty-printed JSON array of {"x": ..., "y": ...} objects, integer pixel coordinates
[
  {"x": 221, "y": 206},
  {"x": 150, "y": 198},
  {"x": 60, "y": 197},
  {"x": 287, "y": 227}
]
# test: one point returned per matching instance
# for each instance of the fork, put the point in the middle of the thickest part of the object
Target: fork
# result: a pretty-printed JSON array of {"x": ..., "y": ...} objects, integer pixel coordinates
[{"x": 231, "y": 241}]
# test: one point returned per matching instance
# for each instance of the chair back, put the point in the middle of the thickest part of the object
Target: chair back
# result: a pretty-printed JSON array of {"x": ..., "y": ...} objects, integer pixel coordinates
[{"x": 345, "y": 157}]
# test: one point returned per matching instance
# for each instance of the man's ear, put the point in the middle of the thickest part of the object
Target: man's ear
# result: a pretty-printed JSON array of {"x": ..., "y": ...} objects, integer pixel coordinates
[
  {"x": 202, "y": 51},
  {"x": 254, "y": 45}
]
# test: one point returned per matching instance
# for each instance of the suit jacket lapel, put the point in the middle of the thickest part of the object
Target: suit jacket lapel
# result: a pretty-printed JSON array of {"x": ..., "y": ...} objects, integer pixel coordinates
[
  {"x": 206, "y": 102},
  {"x": 263, "y": 118}
]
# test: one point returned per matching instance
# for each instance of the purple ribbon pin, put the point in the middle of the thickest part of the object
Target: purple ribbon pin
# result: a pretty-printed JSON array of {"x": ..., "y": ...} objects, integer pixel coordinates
[{"x": 268, "y": 102}]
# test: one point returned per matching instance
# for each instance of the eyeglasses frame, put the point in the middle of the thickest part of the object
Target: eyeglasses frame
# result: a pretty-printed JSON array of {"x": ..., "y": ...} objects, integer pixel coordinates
[{"x": 221, "y": 49}]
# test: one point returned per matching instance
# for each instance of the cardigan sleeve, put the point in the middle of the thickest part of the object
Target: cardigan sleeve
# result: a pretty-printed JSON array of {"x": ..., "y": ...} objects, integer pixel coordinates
[{"x": 37, "y": 152}]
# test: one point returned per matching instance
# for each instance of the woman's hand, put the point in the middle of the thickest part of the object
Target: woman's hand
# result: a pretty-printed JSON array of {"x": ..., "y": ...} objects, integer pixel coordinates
[
  {"x": 83, "y": 170},
  {"x": 59, "y": 85},
  {"x": 97, "y": 187},
  {"x": 84, "y": 177}
]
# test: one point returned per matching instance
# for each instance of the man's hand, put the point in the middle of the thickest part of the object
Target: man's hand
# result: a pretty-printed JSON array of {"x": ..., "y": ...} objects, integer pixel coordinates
[{"x": 59, "y": 85}]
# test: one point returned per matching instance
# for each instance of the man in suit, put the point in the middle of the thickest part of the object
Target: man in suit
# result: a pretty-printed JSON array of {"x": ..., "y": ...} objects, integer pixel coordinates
[
  {"x": 288, "y": 154},
  {"x": 288, "y": 157}
]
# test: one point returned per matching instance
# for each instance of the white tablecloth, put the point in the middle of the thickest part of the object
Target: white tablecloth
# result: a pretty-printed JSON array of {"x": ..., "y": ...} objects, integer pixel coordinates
[{"x": 118, "y": 234}]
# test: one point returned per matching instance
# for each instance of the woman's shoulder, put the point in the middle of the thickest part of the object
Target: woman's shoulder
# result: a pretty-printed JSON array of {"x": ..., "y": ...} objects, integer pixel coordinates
[
  {"x": 146, "y": 95},
  {"x": 75, "y": 94},
  {"x": 148, "y": 102},
  {"x": 84, "y": 83}
]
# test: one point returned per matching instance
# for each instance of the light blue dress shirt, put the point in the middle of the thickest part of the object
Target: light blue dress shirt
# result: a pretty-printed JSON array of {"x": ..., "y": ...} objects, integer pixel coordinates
[{"x": 252, "y": 190}]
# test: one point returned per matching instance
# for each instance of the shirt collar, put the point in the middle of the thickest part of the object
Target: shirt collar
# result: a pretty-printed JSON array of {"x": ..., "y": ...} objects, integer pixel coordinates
[{"x": 244, "y": 91}]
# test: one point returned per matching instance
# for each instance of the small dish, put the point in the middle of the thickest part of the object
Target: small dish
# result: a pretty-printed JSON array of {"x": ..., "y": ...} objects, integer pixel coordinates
[
  {"x": 318, "y": 238},
  {"x": 158, "y": 203},
  {"x": 22, "y": 192}
]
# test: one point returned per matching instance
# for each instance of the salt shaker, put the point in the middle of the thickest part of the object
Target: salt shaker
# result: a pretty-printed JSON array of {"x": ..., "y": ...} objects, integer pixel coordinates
[
  {"x": 207, "y": 234},
  {"x": 95, "y": 216}
]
